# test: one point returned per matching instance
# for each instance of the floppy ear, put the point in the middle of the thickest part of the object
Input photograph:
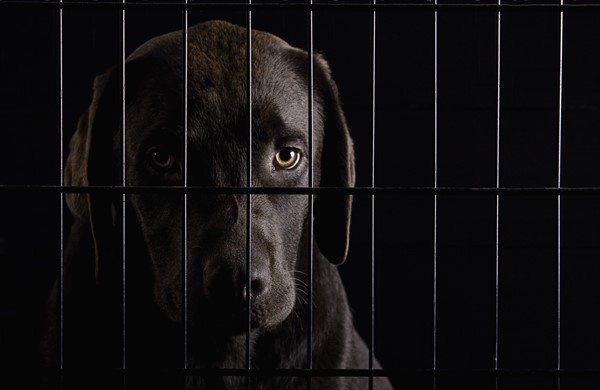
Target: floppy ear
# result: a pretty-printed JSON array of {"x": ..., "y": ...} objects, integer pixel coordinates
[
  {"x": 90, "y": 163},
  {"x": 333, "y": 211}
]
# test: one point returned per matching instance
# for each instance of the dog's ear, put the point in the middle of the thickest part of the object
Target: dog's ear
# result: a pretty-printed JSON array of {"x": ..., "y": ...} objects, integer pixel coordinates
[
  {"x": 333, "y": 211},
  {"x": 90, "y": 163}
]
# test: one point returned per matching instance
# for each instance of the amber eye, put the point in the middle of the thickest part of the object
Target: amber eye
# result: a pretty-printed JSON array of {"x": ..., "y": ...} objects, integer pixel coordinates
[
  {"x": 287, "y": 158},
  {"x": 161, "y": 159}
]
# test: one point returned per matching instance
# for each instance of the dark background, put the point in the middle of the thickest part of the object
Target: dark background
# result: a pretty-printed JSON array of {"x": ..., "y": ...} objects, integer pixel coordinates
[{"x": 465, "y": 322}]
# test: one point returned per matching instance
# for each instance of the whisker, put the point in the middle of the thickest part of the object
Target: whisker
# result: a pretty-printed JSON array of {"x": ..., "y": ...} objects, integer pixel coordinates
[
  {"x": 299, "y": 272},
  {"x": 300, "y": 281}
]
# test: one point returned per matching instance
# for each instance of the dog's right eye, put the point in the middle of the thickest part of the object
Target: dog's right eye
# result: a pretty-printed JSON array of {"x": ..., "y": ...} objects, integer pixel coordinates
[{"x": 161, "y": 159}]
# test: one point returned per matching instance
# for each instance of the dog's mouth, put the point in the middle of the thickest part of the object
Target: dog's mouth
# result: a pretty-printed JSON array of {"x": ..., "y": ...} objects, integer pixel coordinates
[
  {"x": 238, "y": 323},
  {"x": 233, "y": 318},
  {"x": 262, "y": 316}
]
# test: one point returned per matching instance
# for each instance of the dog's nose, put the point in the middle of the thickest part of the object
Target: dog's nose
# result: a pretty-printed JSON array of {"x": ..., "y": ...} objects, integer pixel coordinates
[{"x": 258, "y": 287}]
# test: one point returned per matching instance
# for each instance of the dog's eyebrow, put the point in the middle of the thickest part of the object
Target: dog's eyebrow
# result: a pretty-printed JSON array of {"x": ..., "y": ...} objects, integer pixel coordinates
[
  {"x": 162, "y": 134},
  {"x": 164, "y": 131},
  {"x": 292, "y": 137},
  {"x": 282, "y": 134}
]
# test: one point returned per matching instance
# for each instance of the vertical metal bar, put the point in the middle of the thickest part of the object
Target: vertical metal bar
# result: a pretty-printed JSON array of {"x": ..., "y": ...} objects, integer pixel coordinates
[
  {"x": 435, "y": 203},
  {"x": 310, "y": 197},
  {"x": 185, "y": 184},
  {"x": 373, "y": 90},
  {"x": 559, "y": 177},
  {"x": 123, "y": 174},
  {"x": 249, "y": 199},
  {"x": 497, "y": 297},
  {"x": 61, "y": 180}
]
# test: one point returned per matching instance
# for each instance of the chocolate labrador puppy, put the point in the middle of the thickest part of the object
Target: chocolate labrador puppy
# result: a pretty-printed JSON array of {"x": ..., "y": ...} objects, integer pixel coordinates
[{"x": 203, "y": 325}]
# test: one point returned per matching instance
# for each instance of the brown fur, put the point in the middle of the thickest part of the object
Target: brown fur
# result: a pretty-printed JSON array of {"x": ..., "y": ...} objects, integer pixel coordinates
[{"x": 216, "y": 224}]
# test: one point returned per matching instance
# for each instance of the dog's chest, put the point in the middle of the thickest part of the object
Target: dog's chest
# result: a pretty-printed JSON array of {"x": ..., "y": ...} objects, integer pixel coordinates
[{"x": 241, "y": 382}]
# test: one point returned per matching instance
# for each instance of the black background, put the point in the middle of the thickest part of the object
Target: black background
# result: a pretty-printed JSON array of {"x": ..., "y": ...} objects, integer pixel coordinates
[{"x": 464, "y": 335}]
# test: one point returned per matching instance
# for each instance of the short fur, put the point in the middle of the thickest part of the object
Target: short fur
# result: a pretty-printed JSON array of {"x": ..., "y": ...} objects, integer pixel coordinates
[{"x": 217, "y": 130}]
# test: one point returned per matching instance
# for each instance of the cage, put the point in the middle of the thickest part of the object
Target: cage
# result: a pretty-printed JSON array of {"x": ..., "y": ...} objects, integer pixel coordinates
[{"x": 475, "y": 230}]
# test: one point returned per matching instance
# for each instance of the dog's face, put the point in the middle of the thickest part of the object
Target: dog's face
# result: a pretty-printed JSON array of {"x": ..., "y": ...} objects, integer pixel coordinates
[
  {"x": 218, "y": 139},
  {"x": 219, "y": 119}
]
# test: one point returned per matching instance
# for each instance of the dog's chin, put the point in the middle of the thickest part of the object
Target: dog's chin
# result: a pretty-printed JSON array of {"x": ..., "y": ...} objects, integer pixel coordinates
[
  {"x": 231, "y": 321},
  {"x": 272, "y": 310},
  {"x": 261, "y": 317},
  {"x": 234, "y": 319},
  {"x": 265, "y": 317},
  {"x": 227, "y": 318}
]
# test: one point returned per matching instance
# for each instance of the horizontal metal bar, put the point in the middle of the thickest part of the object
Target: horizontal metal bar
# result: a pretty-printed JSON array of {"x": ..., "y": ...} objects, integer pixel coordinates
[
  {"x": 256, "y": 372},
  {"x": 302, "y": 7},
  {"x": 303, "y": 190}
]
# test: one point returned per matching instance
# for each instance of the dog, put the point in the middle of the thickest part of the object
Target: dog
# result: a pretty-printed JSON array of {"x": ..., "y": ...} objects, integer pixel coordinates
[{"x": 212, "y": 309}]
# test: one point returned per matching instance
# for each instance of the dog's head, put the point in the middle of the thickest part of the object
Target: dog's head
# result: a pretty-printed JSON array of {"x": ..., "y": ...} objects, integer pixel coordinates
[{"x": 218, "y": 135}]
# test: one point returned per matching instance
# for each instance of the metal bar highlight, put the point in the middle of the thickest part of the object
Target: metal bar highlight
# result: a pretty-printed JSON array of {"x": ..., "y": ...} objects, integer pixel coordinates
[
  {"x": 185, "y": 184},
  {"x": 61, "y": 183},
  {"x": 249, "y": 199},
  {"x": 559, "y": 179},
  {"x": 373, "y": 139},
  {"x": 123, "y": 182},
  {"x": 310, "y": 197},
  {"x": 214, "y": 6},
  {"x": 435, "y": 184},
  {"x": 497, "y": 249}
]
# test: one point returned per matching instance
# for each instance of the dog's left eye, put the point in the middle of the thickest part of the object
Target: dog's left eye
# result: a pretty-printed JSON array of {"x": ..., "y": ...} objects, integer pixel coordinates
[
  {"x": 161, "y": 159},
  {"x": 287, "y": 158}
]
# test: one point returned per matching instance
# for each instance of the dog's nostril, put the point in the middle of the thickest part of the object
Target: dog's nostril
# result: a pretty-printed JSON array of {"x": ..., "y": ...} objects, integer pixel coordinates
[{"x": 257, "y": 288}]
